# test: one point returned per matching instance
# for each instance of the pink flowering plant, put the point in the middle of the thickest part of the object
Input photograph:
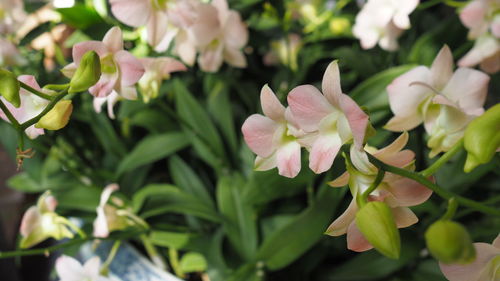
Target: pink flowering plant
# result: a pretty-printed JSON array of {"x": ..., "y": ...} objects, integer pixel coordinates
[{"x": 251, "y": 140}]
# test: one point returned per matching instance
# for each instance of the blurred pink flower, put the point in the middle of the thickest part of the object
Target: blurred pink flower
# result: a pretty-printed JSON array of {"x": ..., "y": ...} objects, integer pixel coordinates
[
  {"x": 13, "y": 16},
  {"x": 331, "y": 119},
  {"x": 69, "y": 269},
  {"x": 382, "y": 22},
  {"x": 31, "y": 106},
  {"x": 445, "y": 101},
  {"x": 9, "y": 55},
  {"x": 482, "y": 17},
  {"x": 40, "y": 222},
  {"x": 396, "y": 191},
  {"x": 120, "y": 69},
  {"x": 109, "y": 217},
  {"x": 157, "y": 70},
  {"x": 230, "y": 39},
  {"x": 271, "y": 138},
  {"x": 484, "y": 268}
]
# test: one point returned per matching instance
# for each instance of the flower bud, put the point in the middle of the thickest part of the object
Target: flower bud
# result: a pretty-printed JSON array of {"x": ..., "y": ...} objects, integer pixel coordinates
[
  {"x": 449, "y": 242},
  {"x": 482, "y": 138},
  {"x": 376, "y": 222},
  {"x": 9, "y": 87},
  {"x": 58, "y": 117},
  {"x": 87, "y": 74}
]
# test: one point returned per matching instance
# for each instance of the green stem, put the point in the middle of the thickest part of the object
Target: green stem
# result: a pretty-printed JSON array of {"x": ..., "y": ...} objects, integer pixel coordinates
[
  {"x": 451, "y": 210},
  {"x": 434, "y": 187},
  {"x": 111, "y": 256},
  {"x": 153, "y": 254},
  {"x": 49, "y": 107},
  {"x": 443, "y": 159},
  {"x": 74, "y": 228},
  {"x": 174, "y": 261},
  {"x": 371, "y": 188},
  {"x": 9, "y": 115},
  {"x": 35, "y": 92}
]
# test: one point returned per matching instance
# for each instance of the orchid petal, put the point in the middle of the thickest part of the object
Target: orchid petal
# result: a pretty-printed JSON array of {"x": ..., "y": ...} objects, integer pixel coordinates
[
  {"x": 342, "y": 223},
  {"x": 399, "y": 123},
  {"x": 357, "y": 118},
  {"x": 308, "y": 106},
  {"x": 235, "y": 57},
  {"x": 113, "y": 39},
  {"x": 331, "y": 84},
  {"x": 131, "y": 12},
  {"x": 288, "y": 159},
  {"x": 355, "y": 239},
  {"x": 264, "y": 164},
  {"x": 468, "y": 87},
  {"x": 323, "y": 152},
  {"x": 81, "y": 48},
  {"x": 131, "y": 68},
  {"x": 92, "y": 267},
  {"x": 211, "y": 59},
  {"x": 69, "y": 269},
  {"x": 207, "y": 25},
  {"x": 258, "y": 132},
  {"x": 235, "y": 31},
  {"x": 271, "y": 106},
  {"x": 105, "y": 85},
  {"x": 30, "y": 220},
  {"x": 341, "y": 181},
  {"x": 157, "y": 28},
  {"x": 408, "y": 192},
  {"x": 442, "y": 67},
  {"x": 404, "y": 217}
]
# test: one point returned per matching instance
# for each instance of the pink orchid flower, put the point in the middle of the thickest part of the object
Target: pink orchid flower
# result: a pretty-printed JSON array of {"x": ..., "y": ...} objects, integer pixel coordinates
[
  {"x": 157, "y": 70},
  {"x": 69, "y": 269},
  {"x": 41, "y": 222},
  {"x": 445, "y": 101},
  {"x": 9, "y": 55},
  {"x": 483, "y": 20},
  {"x": 110, "y": 217},
  {"x": 31, "y": 106},
  {"x": 13, "y": 15},
  {"x": 484, "y": 268},
  {"x": 382, "y": 22},
  {"x": 331, "y": 119},
  {"x": 227, "y": 45},
  {"x": 271, "y": 136},
  {"x": 397, "y": 192},
  {"x": 120, "y": 69}
]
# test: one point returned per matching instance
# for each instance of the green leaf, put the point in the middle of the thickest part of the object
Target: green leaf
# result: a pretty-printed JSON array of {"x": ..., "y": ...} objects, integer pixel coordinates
[
  {"x": 167, "y": 239},
  {"x": 80, "y": 16},
  {"x": 193, "y": 262},
  {"x": 288, "y": 243},
  {"x": 78, "y": 197},
  {"x": 152, "y": 148},
  {"x": 240, "y": 224},
  {"x": 186, "y": 179},
  {"x": 25, "y": 183},
  {"x": 247, "y": 272},
  {"x": 197, "y": 119},
  {"x": 155, "y": 199},
  {"x": 105, "y": 133}
]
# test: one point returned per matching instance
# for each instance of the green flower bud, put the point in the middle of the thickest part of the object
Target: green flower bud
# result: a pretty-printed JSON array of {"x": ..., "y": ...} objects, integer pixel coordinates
[
  {"x": 58, "y": 117},
  {"x": 87, "y": 74},
  {"x": 9, "y": 87},
  {"x": 482, "y": 138},
  {"x": 449, "y": 242},
  {"x": 376, "y": 222}
]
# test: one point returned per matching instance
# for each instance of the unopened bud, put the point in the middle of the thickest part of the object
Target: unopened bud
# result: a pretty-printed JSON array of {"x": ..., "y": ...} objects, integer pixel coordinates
[
  {"x": 482, "y": 138},
  {"x": 449, "y": 242},
  {"x": 87, "y": 74},
  {"x": 376, "y": 222},
  {"x": 9, "y": 87},
  {"x": 58, "y": 117}
]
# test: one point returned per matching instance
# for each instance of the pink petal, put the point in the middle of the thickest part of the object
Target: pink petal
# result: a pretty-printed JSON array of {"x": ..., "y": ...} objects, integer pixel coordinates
[
  {"x": 207, "y": 25},
  {"x": 106, "y": 193},
  {"x": 131, "y": 12},
  {"x": 473, "y": 14},
  {"x": 288, "y": 159},
  {"x": 355, "y": 239},
  {"x": 331, "y": 84},
  {"x": 113, "y": 39},
  {"x": 81, "y": 48},
  {"x": 100, "y": 225},
  {"x": 235, "y": 57},
  {"x": 105, "y": 85},
  {"x": 408, "y": 192},
  {"x": 258, "y": 132},
  {"x": 341, "y": 181},
  {"x": 308, "y": 106},
  {"x": 69, "y": 269},
  {"x": 211, "y": 59},
  {"x": 157, "y": 29},
  {"x": 30, "y": 81},
  {"x": 484, "y": 253},
  {"x": 185, "y": 48},
  {"x": 400, "y": 123},
  {"x": 31, "y": 219},
  {"x": 264, "y": 164},
  {"x": 127, "y": 92},
  {"x": 468, "y": 87},
  {"x": 92, "y": 268},
  {"x": 395, "y": 146},
  {"x": 404, "y": 217},
  {"x": 271, "y": 106},
  {"x": 496, "y": 242},
  {"x": 33, "y": 132},
  {"x": 69, "y": 70},
  {"x": 235, "y": 31},
  {"x": 168, "y": 65},
  {"x": 491, "y": 64},
  {"x": 405, "y": 99},
  {"x": 323, "y": 152},
  {"x": 357, "y": 118},
  {"x": 442, "y": 67},
  {"x": 131, "y": 69},
  {"x": 342, "y": 223}
]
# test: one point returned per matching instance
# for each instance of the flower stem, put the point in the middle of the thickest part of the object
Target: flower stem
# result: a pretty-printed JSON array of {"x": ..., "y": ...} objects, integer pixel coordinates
[
  {"x": 9, "y": 115},
  {"x": 35, "y": 92},
  {"x": 49, "y": 107},
  {"x": 111, "y": 257},
  {"x": 434, "y": 187},
  {"x": 174, "y": 261},
  {"x": 371, "y": 188},
  {"x": 443, "y": 159},
  {"x": 153, "y": 254},
  {"x": 451, "y": 210}
]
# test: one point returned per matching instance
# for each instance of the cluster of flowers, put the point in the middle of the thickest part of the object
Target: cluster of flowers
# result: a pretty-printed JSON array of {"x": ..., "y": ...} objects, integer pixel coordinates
[
  {"x": 444, "y": 100},
  {"x": 12, "y": 15},
  {"x": 383, "y": 21},
  {"x": 213, "y": 30},
  {"x": 41, "y": 222}
]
